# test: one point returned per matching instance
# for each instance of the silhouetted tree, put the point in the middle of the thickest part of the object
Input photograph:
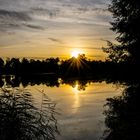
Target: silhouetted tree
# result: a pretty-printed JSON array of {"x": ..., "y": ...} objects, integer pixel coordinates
[
  {"x": 15, "y": 66},
  {"x": 126, "y": 14},
  {"x": 116, "y": 53},
  {"x": 1, "y": 65},
  {"x": 25, "y": 68},
  {"x": 1, "y": 82},
  {"x": 52, "y": 64}
]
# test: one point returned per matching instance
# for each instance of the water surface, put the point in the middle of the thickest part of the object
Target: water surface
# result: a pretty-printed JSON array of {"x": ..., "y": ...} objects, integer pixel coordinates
[
  {"x": 79, "y": 104},
  {"x": 81, "y": 110}
]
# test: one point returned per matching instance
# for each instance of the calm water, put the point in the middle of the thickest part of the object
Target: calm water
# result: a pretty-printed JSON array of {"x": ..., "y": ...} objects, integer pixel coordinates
[
  {"x": 80, "y": 107},
  {"x": 81, "y": 111}
]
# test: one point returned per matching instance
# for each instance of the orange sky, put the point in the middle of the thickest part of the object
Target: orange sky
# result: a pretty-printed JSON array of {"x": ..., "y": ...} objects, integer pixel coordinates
[{"x": 54, "y": 28}]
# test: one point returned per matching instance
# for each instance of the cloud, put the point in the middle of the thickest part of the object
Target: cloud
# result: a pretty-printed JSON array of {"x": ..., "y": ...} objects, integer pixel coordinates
[
  {"x": 14, "y": 15},
  {"x": 62, "y": 11},
  {"x": 52, "y": 13},
  {"x": 34, "y": 26},
  {"x": 87, "y": 48},
  {"x": 16, "y": 20},
  {"x": 56, "y": 40},
  {"x": 12, "y": 19},
  {"x": 92, "y": 10}
]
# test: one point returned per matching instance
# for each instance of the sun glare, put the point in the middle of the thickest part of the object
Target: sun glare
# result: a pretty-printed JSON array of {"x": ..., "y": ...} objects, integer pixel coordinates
[{"x": 75, "y": 53}]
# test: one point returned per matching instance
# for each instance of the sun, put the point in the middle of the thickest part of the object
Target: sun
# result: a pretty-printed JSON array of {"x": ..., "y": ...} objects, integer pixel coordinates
[{"x": 75, "y": 53}]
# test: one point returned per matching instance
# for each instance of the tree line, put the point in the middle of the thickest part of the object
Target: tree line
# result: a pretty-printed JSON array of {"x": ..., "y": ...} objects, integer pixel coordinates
[{"x": 80, "y": 66}]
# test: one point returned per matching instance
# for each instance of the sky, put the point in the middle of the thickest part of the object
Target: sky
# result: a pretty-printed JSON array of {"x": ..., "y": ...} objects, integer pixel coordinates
[{"x": 51, "y": 28}]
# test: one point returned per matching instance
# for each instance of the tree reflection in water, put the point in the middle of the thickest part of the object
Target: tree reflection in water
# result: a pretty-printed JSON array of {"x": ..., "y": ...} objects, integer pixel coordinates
[
  {"x": 123, "y": 115},
  {"x": 20, "y": 119}
]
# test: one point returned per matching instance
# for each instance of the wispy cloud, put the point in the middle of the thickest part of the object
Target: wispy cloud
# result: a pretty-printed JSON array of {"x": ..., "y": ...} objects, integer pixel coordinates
[
  {"x": 52, "y": 13},
  {"x": 32, "y": 26},
  {"x": 56, "y": 40},
  {"x": 86, "y": 48},
  {"x": 81, "y": 11},
  {"x": 14, "y": 15}
]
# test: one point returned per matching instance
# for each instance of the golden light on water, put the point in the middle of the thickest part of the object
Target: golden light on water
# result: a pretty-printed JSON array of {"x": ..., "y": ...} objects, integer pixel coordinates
[
  {"x": 75, "y": 89},
  {"x": 76, "y": 103}
]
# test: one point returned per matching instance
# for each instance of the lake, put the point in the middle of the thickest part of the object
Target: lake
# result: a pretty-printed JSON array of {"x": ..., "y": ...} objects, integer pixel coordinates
[{"x": 79, "y": 105}]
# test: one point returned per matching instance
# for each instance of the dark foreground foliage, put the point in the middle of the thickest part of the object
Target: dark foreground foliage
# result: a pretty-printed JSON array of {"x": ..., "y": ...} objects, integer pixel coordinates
[
  {"x": 122, "y": 115},
  {"x": 20, "y": 119}
]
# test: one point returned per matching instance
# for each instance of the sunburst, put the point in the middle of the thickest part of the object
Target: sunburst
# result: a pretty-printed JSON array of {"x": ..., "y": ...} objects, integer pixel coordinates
[{"x": 75, "y": 54}]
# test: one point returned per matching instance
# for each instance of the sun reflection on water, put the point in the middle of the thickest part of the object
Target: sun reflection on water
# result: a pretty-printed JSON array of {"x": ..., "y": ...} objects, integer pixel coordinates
[
  {"x": 76, "y": 103},
  {"x": 75, "y": 89}
]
